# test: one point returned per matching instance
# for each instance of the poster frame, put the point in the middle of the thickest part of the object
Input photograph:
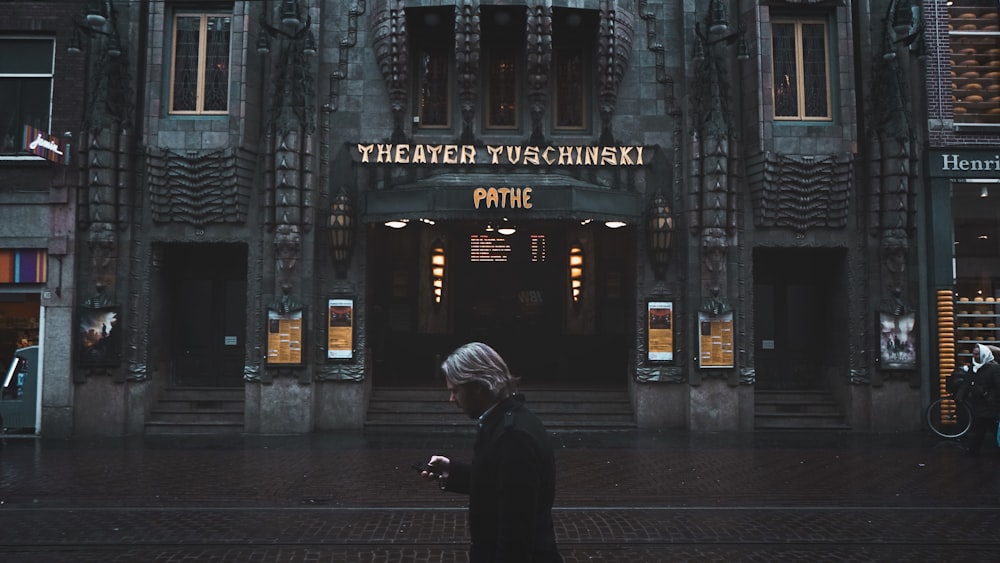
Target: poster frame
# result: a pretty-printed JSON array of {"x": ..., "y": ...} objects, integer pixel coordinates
[
  {"x": 660, "y": 346},
  {"x": 889, "y": 325},
  {"x": 706, "y": 319},
  {"x": 99, "y": 351},
  {"x": 340, "y": 353},
  {"x": 278, "y": 315}
]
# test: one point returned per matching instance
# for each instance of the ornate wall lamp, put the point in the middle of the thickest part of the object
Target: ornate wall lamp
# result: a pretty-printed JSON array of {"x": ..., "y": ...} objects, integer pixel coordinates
[
  {"x": 660, "y": 230},
  {"x": 100, "y": 14},
  {"x": 902, "y": 26},
  {"x": 437, "y": 270},
  {"x": 341, "y": 232},
  {"x": 292, "y": 21},
  {"x": 576, "y": 263}
]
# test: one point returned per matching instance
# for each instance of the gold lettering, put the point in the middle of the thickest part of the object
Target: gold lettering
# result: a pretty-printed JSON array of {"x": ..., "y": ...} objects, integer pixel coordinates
[
  {"x": 384, "y": 153},
  {"x": 365, "y": 150},
  {"x": 547, "y": 157},
  {"x": 638, "y": 159},
  {"x": 527, "y": 198},
  {"x": 491, "y": 197},
  {"x": 468, "y": 154},
  {"x": 435, "y": 150},
  {"x": 591, "y": 157},
  {"x": 626, "y": 156},
  {"x": 495, "y": 153},
  {"x": 419, "y": 157},
  {"x": 503, "y": 196},
  {"x": 402, "y": 154},
  {"x": 608, "y": 156},
  {"x": 478, "y": 195},
  {"x": 513, "y": 154},
  {"x": 531, "y": 155},
  {"x": 449, "y": 154},
  {"x": 515, "y": 197},
  {"x": 565, "y": 155}
]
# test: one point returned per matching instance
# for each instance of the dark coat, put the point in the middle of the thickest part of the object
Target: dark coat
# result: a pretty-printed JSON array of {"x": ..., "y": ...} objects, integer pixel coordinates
[
  {"x": 981, "y": 390},
  {"x": 511, "y": 486}
]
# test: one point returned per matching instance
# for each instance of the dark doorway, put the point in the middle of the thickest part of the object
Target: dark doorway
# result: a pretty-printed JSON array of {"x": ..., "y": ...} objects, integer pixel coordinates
[
  {"x": 800, "y": 316},
  {"x": 510, "y": 291},
  {"x": 208, "y": 286}
]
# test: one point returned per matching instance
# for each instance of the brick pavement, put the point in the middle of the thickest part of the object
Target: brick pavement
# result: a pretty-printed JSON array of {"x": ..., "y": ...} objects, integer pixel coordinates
[{"x": 622, "y": 496}]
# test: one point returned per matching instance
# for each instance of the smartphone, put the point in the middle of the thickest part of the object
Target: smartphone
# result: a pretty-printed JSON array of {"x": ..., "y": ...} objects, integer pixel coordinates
[{"x": 424, "y": 467}]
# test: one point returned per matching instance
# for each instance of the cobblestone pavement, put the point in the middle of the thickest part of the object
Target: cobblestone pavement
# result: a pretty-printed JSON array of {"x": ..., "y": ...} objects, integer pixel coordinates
[{"x": 622, "y": 496}]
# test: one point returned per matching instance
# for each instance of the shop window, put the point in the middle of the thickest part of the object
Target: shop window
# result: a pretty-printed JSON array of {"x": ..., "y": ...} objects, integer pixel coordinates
[
  {"x": 801, "y": 62},
  {"x": 976, "y": 228},
  {"x": 26, "y": 70},
  {"x": 199, "y": 79},
  {"x": 975, "y": 61}
]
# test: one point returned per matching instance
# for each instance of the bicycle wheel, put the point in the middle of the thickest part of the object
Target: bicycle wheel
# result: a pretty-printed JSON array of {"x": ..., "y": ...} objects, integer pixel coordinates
[{"x": 948, "y": 418}]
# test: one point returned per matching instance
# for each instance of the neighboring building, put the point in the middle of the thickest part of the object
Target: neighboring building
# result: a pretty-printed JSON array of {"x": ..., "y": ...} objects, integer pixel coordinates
[
  {"x": 717, "y": 206},
  {"x": 40, "y": 114},
  {"x": 962, "y": 167}
]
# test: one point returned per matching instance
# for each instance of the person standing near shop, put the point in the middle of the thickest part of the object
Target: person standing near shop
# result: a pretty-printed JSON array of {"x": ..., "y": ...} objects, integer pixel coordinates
[
  {"x": 511, "y": 480},
  {"x": 981, "y": 391}
]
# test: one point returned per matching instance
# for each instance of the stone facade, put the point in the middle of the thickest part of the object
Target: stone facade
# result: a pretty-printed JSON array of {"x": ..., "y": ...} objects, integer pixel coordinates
[{"x": 791, "y": 237}]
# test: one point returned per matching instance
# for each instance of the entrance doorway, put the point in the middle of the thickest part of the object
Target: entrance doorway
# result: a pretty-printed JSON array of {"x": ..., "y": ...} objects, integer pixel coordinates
[
  {"x": 800, "y": 316},
  {"x": 207, "y": 295},
  {"x": 510, "y": 291}
]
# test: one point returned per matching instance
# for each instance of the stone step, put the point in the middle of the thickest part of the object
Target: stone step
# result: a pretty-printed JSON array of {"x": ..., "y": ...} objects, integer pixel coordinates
[
  {"x": 559, "y": 409},
  {"x": 197, "y": 410},
  {"x": 797, "y": 410}
]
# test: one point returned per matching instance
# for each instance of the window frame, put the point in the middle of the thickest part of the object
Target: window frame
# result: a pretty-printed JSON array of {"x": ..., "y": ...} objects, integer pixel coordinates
[
  {"x": 798, "y": 22},
  {"x": 20, "y": 153},
  {"x": 201, "y": 83}
]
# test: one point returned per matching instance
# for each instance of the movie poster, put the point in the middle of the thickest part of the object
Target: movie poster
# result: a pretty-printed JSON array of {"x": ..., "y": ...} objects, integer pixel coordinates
[
  {"x": 660, "y": 327},
  {"x": 340, "y": 329}
]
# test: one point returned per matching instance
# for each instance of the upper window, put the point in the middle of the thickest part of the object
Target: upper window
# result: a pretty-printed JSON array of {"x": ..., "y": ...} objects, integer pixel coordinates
[
  {"x": 573, "y": 36},
  {"x": 432, "y": 40},
  {"x": 26, "y": 70},
  {"x": 975, "y": 61},
  {"x": 199, "y": 79},
  {"x": 503, "y": 44},
  {"x": 800, "y": 50}
]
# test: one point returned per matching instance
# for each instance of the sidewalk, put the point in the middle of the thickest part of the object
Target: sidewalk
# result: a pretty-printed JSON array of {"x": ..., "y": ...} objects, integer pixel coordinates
[{"x": 622, "y": 496}]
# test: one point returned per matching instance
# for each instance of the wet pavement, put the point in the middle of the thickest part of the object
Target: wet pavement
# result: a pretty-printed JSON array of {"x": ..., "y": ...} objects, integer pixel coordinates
[{"x": 622, "y": 496}]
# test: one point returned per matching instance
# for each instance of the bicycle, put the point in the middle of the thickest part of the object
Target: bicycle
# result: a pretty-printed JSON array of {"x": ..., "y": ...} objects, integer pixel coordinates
[{"x": 948, "y": 417}]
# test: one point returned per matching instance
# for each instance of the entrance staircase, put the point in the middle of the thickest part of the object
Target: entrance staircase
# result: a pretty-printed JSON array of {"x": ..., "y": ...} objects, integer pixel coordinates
[
  {"x": 797, "y": 410},
  {"x": 564, "y": 410},
  {"x": 197, "y": 410}
]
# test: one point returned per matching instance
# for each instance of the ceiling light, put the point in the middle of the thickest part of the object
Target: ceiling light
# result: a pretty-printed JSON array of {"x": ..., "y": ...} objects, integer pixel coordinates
[
  {"x": 397, "y": 223},
  {"x": 615, "y": 224},
  {"x": 984, "y": 192}
]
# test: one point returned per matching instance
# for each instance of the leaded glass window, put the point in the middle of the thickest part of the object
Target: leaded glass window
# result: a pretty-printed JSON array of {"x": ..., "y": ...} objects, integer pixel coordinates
[
  {"x": 502, "y": 94},
  {"x": 801, "y": 62},
  {"x": 570, "y": 89},
  {"x": 200, "y": 69},
  {"x": 433, "y": 104}
]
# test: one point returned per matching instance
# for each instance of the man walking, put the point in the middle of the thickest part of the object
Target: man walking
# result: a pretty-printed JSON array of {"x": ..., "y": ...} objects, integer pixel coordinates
[{"x": 511, "y": 480}]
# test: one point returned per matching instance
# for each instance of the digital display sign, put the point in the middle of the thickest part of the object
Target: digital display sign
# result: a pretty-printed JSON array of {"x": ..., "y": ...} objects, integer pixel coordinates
[{"x": 496, "y": 248}]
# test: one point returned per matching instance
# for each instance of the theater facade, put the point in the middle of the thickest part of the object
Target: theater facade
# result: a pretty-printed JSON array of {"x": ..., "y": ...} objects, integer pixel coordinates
[{"x": 715, "y": 207}]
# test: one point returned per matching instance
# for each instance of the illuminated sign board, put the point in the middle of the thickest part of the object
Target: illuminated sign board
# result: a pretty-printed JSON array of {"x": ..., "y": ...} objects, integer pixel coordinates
[{"x": 527, "y": 156}]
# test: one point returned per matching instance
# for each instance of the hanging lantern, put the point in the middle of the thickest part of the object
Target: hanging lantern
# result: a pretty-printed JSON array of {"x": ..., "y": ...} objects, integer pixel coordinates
[
  {"x": 341, "y": 232},
  {"x": 660, "y": 229}
]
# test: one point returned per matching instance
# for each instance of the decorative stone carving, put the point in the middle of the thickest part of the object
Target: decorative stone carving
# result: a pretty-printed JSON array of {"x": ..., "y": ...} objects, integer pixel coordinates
[
  {"x": 200, "y": 188},
  {"x": 344, "y": 52},
  {"x": 801, "y": 192},
  {"x": 539, "y": 47},
  {"x": 467, "y": 38},
  {"x": 389, "y": 41},
  {"x": 614, "y": 50}
]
